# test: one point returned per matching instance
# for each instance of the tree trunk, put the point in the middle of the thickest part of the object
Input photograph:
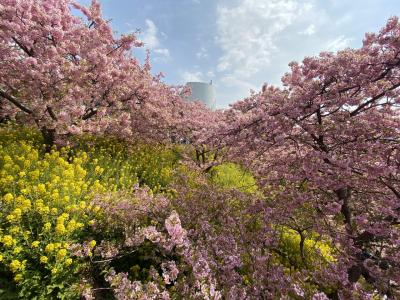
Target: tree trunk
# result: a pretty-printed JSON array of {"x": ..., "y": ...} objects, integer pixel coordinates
[
  {"x": 49, "y": 136},
  {"x": 344, "y": 195}
]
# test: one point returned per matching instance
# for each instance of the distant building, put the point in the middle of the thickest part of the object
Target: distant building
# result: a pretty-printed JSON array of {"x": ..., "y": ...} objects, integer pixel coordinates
[{"x": 204, "y": 92}]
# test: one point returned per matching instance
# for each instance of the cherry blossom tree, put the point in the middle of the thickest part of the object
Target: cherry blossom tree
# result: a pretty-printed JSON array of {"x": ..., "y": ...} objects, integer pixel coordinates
[
  {"x": 63, "y": 69},
  {"x": 326, "y": 149}
]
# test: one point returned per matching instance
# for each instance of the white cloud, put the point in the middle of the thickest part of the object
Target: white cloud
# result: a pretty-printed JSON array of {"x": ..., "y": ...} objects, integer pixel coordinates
[
  {"x": 210, "y": 74},
  {"x": 344, "y": 19},
  {"x": 191, "y": 76},
  {"x": 152, "y": 41},
  {"x": 248, "y": 31},
  {"x": 232, "y": 81},
  {"x": 310, "y": 30},
  {"x": 339, "y": 43},
  {"x": 150, "y": 35},
  {"x": 163, "y": 52},
  {"x": 202, "y": 53},
  {"x": 163, "y": 34}
]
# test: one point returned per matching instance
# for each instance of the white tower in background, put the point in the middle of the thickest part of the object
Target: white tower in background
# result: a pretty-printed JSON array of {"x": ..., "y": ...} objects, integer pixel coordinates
[{"x": 204, "y": 92}]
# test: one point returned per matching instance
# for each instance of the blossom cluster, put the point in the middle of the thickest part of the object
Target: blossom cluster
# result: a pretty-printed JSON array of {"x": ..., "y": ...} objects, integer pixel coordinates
[{"x": 148, "y": 234}]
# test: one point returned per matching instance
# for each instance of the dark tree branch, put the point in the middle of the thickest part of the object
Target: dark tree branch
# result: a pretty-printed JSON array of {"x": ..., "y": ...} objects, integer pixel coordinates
[
  {"x": 344, "y": 195},
  {"x": 15, "y": 101},
  {"x": 90, "y": 113},
  {"x": 51, "y": 113},
  {"x": 29, "y": 52},
  {"x": 397, "y": 193},
  {"x": 359, "y": 109}
]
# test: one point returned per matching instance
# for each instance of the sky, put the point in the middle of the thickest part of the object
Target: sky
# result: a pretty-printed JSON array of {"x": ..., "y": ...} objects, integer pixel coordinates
[{"x": 242, "y": 44}]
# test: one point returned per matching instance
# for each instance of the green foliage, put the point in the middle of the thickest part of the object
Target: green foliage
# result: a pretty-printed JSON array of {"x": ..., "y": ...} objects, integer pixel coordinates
[
  {"x": 10, "y": 132},
  {"x": 311, "y": 252},
  {"x": 230, "y": 175},
  {"x": 122, "y": 164}
]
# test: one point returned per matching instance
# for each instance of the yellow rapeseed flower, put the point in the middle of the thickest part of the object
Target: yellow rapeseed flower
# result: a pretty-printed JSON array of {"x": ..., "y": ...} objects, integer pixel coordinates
[
  {"x": 8, "y": 240},
  {"x": 65, "y": 216},
  {"x": 26, "y": 205},
  {"x": 39, "y": 203},
  {"x": 34, "y": 174},
  {"x": 11, "y": 218},
  {"x": 27, "y": 163},
  {"x": 47, "y": 226},
  {"x": 10, "y": 178},
  {"x": 71, "y": 225},
  {"x": 77, "y": 190},
  {"x": 8, "y": 197},
  {"x": 15, "y": 265},
  {"x": 98, "y": 170},
  {"x": 61, "y": 254},
  {"x": 35, "y": 244},
  {"x": 44, "y": 210},
  {"x": 41, "y": 188},
  {"x": 18, "y": 278},
  {"x": 44, "y": 259},
  {"x": 17, "y": 250},
  {"x": 7, "y": 159},
  {"x": 55, "y": 180},
  {"x": 14, "y": 229},
  {"x": 92, "y": 243},
  {"x": 68, "y": 261},
  {"x": 17, "y": 213},
  {"x": 49, "y": 247},
  {"x": 60, "y": 228},
  {"x": 80, "y": 225},
  {"x": 55, "y": 195}
]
